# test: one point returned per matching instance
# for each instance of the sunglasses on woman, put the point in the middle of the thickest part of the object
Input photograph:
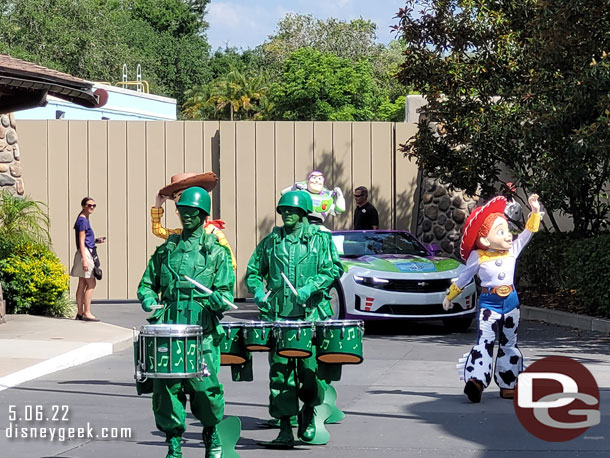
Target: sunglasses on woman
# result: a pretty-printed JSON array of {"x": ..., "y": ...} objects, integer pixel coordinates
[{"x": 91, "y": 205}]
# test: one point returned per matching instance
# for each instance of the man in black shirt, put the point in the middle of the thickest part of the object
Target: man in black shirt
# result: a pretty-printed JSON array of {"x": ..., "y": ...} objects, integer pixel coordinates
[{"x": 365, "y": 215}]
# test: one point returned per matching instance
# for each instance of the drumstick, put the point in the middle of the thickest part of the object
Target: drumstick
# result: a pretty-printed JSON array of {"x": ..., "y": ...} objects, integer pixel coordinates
[
  {"x": 209, "y": 291},
  {"x": 267, "y": 295},
  {"x": 294, "y": 291}
]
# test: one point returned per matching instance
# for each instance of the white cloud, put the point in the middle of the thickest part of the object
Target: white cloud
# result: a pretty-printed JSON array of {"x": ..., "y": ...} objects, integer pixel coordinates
[{"x": 239, "y": 23}]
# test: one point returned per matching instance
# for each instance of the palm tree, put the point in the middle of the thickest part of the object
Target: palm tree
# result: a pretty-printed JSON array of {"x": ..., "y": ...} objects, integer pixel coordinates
[{"x": 22, "y": 218}]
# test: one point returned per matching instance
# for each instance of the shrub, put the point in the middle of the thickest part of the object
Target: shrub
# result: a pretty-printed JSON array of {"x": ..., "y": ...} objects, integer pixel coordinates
[
  {"x": 34, "y": 281},
  {"x": 562, "y": 263},
  {"x": 587, "y": 262},
  {"x": 541, "y": 264}
]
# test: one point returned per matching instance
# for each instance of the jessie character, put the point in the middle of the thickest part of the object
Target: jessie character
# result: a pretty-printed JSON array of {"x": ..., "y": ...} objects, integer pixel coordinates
[
  {"x": 173, "y": 191},
  {"x": 325, "y": 202},
  {"x": 490, "y": 251}
]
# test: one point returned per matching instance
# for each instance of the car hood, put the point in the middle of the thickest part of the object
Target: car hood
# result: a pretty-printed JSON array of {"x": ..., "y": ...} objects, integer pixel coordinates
[{"x": 401, "y": 263}]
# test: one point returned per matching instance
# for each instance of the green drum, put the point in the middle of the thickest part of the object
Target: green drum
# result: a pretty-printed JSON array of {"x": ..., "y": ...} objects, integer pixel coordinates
[
  {"x": 339, "y": 341},
  {"x": 257, "y": 335},
  {"x": 293, "y": 339},
  {"x": 232, "y": 350},
  {"x": 170, "y": 351}
]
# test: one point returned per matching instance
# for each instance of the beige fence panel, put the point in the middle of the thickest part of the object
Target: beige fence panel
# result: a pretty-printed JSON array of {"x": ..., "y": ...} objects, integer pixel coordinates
[
  {"x": 138, "y": 214},
  {"x": 97, "y": 149},
  {"x": 55, "y": 159},
  {"x": 117, "y": 242},
  {"x": 265, "y": 177},
  {"x": 382, "y": 173},
  {"x": 303, "y": 150},
  {"x": 406, "y": 179},
  {"x": 122, "y": 165}
]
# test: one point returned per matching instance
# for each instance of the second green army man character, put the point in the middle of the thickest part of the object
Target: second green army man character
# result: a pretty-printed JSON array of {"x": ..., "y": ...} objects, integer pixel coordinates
[
  {"x": 198, "y": 255},
  {"x": 289, "y": 275}
]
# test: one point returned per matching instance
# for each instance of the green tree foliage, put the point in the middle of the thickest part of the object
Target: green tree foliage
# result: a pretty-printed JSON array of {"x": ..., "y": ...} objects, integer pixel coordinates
[
  {"x": 350, "y": 40},
  {"x": 92, "y": 39},
  {"x": 319, "y": 86},
  {"x": 517, "y": 85},
  {"x": 353, "y": 40}
]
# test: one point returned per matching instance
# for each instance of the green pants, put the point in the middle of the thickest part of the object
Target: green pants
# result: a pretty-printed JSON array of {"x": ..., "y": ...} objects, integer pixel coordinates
[
  {"x": 291, "y": 379},
  {"x": 206, "y": 396}
]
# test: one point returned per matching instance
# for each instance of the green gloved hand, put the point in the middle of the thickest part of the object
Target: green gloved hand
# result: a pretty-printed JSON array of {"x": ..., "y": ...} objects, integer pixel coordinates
[
  {"x": 260, "y": 301},
  {"x": 303, "y": 294},
  {"x": 216, "y": 302},
  {"x": 146, "y": 304}
]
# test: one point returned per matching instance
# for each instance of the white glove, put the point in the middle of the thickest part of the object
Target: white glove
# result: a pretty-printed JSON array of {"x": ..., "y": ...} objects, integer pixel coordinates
[
  {"x": 447, "y": 304},
  {"x": 339, "y": 200}
]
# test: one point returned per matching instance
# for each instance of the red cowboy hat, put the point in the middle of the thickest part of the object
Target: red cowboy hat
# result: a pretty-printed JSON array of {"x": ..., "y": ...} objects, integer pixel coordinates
[
  {"x": 475, "y": 220},
  {"x": 182, "y": 181}
]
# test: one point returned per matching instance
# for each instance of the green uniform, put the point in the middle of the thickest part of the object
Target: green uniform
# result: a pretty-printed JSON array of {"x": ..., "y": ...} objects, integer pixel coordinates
[
  {"x": 202, "y": 258},
  {"x": 306, "y": 258}
]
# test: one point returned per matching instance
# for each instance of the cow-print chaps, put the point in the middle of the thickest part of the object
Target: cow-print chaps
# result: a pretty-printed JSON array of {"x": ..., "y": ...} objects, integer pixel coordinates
[{"x": 509, "y": 360}]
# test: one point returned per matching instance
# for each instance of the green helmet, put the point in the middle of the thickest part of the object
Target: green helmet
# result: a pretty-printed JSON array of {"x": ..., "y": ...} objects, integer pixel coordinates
[
  {"x": 195, "y": 197},
  {"x": 296, "y": 199}
]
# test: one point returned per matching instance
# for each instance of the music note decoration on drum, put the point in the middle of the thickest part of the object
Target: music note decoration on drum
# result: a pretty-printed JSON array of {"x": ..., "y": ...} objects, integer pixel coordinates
[
  {"x": 163, "y": 361},
  {"x": 191, "y": 354}
]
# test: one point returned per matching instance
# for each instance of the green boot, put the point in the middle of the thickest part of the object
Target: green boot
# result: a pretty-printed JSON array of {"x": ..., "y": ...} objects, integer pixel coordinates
[
  {"x": 285, "y": 439},
  {"x": 174, "y": 449},
  {"x": 213, "y": 444},
  {"x": 307, "y": 427}
]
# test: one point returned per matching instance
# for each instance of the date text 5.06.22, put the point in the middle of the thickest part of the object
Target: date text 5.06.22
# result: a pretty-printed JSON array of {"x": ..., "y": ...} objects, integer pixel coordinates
[{"x": 38, "y": 412}]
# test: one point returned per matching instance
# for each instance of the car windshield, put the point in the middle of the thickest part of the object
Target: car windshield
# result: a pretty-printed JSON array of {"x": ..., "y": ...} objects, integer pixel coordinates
[{"x": 356, "y": 244}]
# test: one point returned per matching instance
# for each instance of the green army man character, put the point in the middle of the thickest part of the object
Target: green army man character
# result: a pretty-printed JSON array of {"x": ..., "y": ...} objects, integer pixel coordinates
[
  {"x": 304, "y": 254},
  {"x": 198, "y": 255}
]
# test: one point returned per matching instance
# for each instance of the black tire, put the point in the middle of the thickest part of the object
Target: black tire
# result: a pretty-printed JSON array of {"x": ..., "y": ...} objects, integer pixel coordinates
[
  {"x": 337, "y": 301},
  {"x": 458, "y": 324}
]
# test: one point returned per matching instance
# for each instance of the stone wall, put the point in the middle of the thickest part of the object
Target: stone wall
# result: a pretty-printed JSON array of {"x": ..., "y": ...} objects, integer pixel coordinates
[
  {"x": 442, "y": 214},
  {"x": 10, "y": 165}
]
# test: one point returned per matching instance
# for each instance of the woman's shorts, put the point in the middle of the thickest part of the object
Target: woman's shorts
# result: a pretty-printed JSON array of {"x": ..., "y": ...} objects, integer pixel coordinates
[{"x": 77, "y": 267}]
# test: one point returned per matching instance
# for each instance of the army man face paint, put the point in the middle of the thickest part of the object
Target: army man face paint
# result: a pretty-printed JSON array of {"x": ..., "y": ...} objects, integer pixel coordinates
[
  {"x": 291, "y": 216},
  {"x": 191, "y": 217}
]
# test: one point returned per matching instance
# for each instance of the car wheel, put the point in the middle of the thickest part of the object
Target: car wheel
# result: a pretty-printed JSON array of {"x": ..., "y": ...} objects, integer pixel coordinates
[
  {"x": 457, "y": 324},
  {"x": 337, "y": 301}
]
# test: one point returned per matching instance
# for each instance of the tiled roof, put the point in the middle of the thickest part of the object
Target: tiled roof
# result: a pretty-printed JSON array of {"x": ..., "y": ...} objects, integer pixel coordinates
[
  {"x": 10, "y": 66},
  {"x": 24, "y": 85}
]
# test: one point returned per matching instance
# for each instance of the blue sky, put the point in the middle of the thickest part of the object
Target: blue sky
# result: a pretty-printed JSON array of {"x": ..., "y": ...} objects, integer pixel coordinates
[{"x": 248, "y": 23}]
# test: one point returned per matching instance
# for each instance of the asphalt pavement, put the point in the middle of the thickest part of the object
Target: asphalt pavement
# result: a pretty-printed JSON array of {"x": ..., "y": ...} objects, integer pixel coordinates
[{"x": 405, "y": 400}]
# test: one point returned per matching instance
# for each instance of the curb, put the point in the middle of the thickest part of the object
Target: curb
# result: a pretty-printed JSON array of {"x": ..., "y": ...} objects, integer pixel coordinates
[
  {"x": 585, "y": 322},
  {"x": 84, "y": 354}
]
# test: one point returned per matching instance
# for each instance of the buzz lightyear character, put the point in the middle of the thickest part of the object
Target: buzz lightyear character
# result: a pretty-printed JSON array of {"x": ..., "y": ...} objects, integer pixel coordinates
[
  {"x": 325, "y": 202},
  {"x": 489, "y": 250}
]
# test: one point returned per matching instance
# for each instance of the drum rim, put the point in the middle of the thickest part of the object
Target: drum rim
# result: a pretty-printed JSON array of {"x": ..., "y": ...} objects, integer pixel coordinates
[
  {"x": 172, "y": 374},
  {"x": 171, "y": 330},
  {"x": 327, "y": 323},
  {"x": 255, "y": 324},
  {"x": 293, "y": 324},
  {"x": 231, "y": 324}
]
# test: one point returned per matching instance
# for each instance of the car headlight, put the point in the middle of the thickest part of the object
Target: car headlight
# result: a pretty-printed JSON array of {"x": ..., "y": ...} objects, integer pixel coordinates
[{"x": 370, "y": 281}]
